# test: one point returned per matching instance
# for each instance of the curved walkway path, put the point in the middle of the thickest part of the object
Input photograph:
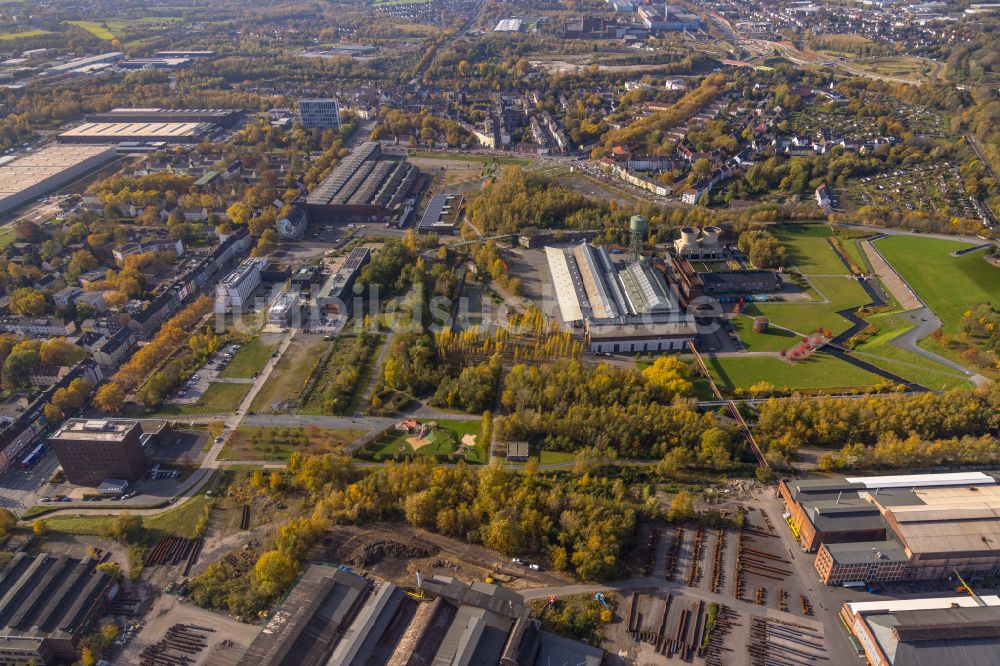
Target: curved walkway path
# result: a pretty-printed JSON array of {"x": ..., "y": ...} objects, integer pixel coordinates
[{"x": 924, "y": 321}]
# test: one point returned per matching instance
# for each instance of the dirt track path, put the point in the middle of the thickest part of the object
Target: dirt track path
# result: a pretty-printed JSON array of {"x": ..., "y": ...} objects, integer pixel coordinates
[{"x": 890, "y": 278}]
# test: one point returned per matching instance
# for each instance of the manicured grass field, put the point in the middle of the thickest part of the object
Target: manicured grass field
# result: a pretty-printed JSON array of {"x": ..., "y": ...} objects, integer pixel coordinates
[
  {"x": 819, "y": 371},
  {"x": 842, "y": 293},
  {"x": 38, "y": 32},
  {"x": 774, "y": 339},
  {"x": 274, "y": 443},
  {"x": 218, "y": 398},
  {"x": 251, "y": 357},
  {"x": 948, "y": 285},
  {"x": 809, "y": 250},
  {"x": 879, "y": 350},
  {"x": 852, "y": 247},
  {"x": 448, "y": 436}
]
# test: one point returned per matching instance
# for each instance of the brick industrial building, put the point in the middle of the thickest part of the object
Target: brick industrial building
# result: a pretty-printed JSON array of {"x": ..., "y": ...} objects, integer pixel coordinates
[
  {"x": 926, "y": 632},
  {"x": 365, "y": 186},
  {"x": 905, "y": 527},
  {"x": 93, "y": 450}
]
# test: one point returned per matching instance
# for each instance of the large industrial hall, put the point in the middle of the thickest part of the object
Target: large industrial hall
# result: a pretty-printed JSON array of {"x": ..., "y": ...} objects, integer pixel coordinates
[{"x": 622, "y": 306}]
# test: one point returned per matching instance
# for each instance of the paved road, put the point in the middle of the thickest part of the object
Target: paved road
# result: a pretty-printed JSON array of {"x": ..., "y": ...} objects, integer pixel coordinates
[
  {"x": 925, "y": 322},
  {"x": 193, "y": 484}
]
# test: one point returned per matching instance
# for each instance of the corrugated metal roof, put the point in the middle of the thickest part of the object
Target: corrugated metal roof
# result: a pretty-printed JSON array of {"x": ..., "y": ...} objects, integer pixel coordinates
[{"x": 923, "y": 480}]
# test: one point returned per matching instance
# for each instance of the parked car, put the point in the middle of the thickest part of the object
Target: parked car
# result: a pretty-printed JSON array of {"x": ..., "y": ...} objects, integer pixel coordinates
[
  {"x": 517, "y": 560},
  {"x": 534, "y": 567}
]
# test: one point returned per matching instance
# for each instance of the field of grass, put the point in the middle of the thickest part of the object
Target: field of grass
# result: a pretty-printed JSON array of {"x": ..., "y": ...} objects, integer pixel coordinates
[
  {"x": 948, "y": 285},
  {"x": 879, "y": 350},
  {"x": 809, "y": 250},
  {"x": 448, "y": 435},
  {"x": 7, "y": 236},
  {"x": 819, "y": 371},
  {"x": 115, "y": 28},
  {"x": 774, "y": 339},
  {"x": 842, "y": 293},
  {"x": 290, "y": 375},
  {"x": 179, "y": 521},
  {"x": 218, "y": 398},
  {"x": 459, "y": 157},
  {"x": 37, "y": 32},
  {"x": 95, "y": 28},
  {"x": 274, "y": 443},
  {"x": 251, "y": 357}
]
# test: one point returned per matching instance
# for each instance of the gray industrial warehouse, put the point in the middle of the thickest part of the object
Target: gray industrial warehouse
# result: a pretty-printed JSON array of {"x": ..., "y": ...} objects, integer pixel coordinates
[
  {"x": 220, "y": 117},
  {"x": 333, "y": 616},
  {"x": 46, "y": 170},
  {"x": 365, "y": 186},
  {"x": 622, "y": 308},
  {"x": 46, "y": 604}
]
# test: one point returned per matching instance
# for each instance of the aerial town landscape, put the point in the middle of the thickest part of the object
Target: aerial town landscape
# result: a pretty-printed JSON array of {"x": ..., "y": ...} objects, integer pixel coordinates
[{"x": 499, "y": 332}]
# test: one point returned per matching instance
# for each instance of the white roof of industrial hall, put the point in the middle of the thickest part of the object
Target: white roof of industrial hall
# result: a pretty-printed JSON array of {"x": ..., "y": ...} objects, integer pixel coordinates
[
  {"x": 897, "y": 605},
  {"x": 923, "y": 480}
]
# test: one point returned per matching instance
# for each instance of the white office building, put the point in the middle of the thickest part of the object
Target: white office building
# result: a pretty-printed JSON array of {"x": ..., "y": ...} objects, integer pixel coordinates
[
  {"x": 319, "y": 113},
  {"x": 235, "y": 289}
]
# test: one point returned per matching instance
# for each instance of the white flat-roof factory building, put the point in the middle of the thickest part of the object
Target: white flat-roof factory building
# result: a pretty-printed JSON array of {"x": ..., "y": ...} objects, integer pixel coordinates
[
  {"x": 622, "y": 309},
  {"x": 236, "y": 288},
  {"x": 46, "y": 170},
  {"x": 112, "y": 132}
]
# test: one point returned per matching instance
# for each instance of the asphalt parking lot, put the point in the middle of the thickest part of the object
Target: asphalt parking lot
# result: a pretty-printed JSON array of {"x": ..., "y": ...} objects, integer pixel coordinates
[{"x": 192, "y": 390}]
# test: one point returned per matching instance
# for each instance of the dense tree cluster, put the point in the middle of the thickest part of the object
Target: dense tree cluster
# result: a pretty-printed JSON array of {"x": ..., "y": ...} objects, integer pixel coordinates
[
  {"x": 473, "y": 390},
  {"x": 762, "y": 248},
  {"x": 983, "y": 322},
  {"x": 410, "y": 365},
  {"x": 784, "y": 426},
  {"x": 489, "y": 262},
  {"x": 648, "y": 133},
  {"x": 19, "y": 357},
  {"x": 425, "y": 126},
  {"x": 584, "y": 527},
  {"x": 913, "y": 451},
  {"x": 566, "y": 406},
  {"x": 524, "y": 337}
]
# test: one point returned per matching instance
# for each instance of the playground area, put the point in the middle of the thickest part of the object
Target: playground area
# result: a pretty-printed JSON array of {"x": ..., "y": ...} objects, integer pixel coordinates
[{"x": 444, "y": 440}]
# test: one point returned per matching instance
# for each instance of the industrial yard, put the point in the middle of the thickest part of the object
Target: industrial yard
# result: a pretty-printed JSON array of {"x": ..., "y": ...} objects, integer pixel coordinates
[{"x": 743, "y": 579}]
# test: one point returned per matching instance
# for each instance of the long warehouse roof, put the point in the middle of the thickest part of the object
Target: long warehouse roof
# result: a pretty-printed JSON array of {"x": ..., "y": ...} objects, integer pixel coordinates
[
  {"x": 134, "y": 129},
  {"x": 33, "y": 168}
]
